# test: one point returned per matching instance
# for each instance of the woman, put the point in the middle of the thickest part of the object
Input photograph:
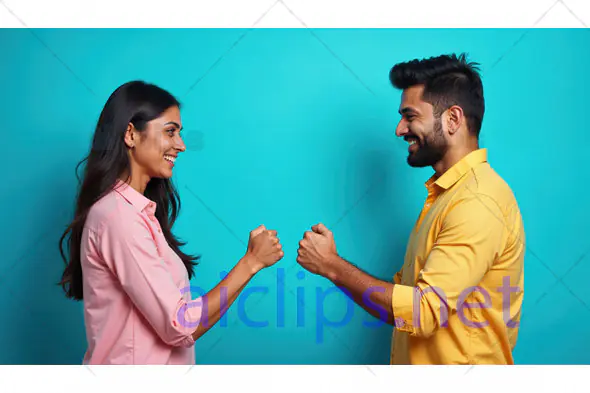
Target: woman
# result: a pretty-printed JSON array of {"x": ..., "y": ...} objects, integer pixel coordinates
[{"x": 123, "y": 259}]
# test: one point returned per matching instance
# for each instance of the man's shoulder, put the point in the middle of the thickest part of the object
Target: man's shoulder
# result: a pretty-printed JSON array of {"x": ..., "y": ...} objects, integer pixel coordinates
[
  {"x": 485, "y": 182},
  {"x": 485, "y": 198}
]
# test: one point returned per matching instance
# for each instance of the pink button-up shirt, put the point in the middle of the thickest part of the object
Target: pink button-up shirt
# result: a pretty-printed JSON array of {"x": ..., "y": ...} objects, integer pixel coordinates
[{"x": 137, "y": 301}]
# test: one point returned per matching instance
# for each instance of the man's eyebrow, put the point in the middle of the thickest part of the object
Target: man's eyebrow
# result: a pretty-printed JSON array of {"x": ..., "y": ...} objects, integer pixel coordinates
[{"x": 407, "y": 109}]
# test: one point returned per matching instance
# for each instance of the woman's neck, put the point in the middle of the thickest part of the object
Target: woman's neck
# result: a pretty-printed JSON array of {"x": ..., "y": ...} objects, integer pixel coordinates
[{"x": 138, "y": 181}]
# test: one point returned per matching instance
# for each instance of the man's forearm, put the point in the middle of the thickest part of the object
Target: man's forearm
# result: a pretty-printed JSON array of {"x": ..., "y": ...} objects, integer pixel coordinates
[{"x": 370, "y": 293}]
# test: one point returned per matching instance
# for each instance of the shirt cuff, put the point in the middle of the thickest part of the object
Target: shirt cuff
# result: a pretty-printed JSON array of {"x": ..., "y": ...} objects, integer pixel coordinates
[
  {"x": 402, "y": 302},
  {"x": 188, "y": 319}
]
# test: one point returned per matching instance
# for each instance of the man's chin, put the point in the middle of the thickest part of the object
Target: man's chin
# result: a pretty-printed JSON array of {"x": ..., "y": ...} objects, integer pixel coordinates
[{"x": 416, "y": 162}]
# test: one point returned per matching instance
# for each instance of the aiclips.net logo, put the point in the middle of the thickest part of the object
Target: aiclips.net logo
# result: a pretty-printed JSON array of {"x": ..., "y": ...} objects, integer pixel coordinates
[{"x": 323, "y": 295}]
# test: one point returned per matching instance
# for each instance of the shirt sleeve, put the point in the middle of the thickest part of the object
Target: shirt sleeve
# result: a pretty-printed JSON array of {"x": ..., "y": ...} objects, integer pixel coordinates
[
  {"x": 470, "y": 240},
  {"x": 129, "y": 250}
]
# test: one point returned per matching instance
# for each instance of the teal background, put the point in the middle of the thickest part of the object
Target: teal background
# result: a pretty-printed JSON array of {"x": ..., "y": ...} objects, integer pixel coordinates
[{"x": 288, "y": 128}]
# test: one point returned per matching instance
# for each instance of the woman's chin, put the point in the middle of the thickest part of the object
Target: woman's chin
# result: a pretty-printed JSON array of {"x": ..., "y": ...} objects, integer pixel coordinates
[{"x": 163, "y": 174}]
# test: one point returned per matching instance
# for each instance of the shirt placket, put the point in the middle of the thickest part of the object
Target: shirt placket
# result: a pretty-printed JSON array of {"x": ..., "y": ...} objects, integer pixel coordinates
[
  {"x": 152, "y": 216},
  {"x": 432, "y": 195}
]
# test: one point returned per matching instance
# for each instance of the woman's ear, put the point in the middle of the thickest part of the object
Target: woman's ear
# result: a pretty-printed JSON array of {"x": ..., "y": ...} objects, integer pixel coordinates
[{"x": 130, "y": 136}]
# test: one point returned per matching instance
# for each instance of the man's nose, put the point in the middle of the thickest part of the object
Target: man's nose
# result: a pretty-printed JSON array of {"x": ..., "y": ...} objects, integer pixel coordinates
[{"x": 401, "y": 129}]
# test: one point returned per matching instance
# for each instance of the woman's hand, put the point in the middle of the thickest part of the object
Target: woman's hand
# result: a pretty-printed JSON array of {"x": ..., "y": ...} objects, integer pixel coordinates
[{"x": 264, "y": 249}]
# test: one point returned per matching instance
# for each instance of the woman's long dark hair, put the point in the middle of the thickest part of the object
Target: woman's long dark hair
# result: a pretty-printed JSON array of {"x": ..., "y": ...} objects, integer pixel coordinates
[{"x": 138, "y": 103}]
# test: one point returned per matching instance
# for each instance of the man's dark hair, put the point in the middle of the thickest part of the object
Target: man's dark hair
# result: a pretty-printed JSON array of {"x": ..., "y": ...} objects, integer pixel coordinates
[{"x": 448, "y": 80}]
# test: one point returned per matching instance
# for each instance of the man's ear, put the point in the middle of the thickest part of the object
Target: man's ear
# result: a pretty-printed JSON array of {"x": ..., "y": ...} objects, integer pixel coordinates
[{"x": 455, "y": 119}]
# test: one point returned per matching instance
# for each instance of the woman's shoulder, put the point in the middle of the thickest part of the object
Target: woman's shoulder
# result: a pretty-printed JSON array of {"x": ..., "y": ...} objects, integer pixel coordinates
[{"x": 111, "y": 209}]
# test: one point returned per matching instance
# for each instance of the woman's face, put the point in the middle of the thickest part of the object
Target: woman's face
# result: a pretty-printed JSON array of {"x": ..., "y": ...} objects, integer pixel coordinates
[{"x": 154, "y": 150}]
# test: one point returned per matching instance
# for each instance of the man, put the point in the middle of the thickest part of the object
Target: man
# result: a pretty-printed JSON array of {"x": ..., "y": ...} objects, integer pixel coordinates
[{"x": 458, "y": 295}]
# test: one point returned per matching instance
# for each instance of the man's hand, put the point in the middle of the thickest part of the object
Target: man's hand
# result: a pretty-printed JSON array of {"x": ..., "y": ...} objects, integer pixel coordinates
[
  {"x": 317, "y": 251},
  {"x": 317, "y": 254}
]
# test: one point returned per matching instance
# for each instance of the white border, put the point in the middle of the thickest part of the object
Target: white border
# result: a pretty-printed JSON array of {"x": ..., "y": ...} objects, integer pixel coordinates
[
  {"x": 295, "y": 13},
  {"x": 273, "y": 379}
]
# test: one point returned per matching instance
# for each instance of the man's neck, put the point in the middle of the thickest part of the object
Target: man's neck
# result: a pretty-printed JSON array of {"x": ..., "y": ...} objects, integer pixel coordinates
[{"x": 452, "y": 157}]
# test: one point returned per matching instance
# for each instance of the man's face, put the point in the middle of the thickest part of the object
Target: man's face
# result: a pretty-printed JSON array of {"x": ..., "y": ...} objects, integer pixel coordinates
[{"x": 419, "y": 127}]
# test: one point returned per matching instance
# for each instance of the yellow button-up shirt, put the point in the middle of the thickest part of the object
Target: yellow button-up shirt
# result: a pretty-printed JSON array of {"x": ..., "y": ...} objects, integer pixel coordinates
[{"x": 458, "y": 296}]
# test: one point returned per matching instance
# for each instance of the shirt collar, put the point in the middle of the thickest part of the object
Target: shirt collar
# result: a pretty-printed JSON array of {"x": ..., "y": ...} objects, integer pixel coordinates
[
  {"x": 134, "y": 197},
  {"x": 456, "y": 172}
]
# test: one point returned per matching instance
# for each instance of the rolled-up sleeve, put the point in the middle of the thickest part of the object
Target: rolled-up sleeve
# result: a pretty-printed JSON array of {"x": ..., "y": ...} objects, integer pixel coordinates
[
  {"x": 130, "y": 252},
  {"x": 471, "y": 237}
]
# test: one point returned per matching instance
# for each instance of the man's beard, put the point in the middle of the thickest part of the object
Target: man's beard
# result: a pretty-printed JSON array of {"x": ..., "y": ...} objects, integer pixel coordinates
[{"x": 432, "y": 150}]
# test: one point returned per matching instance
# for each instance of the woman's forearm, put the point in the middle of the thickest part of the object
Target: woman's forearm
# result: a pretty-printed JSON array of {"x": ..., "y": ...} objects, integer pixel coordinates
[{"x": 214, "y": 305}]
